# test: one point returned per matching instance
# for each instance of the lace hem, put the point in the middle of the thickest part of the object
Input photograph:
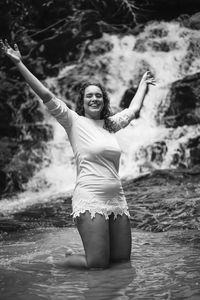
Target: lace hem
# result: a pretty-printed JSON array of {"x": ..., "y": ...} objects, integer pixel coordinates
[
  {"x": 120, "y": 120},
  {"x": 105, "y": 212}
]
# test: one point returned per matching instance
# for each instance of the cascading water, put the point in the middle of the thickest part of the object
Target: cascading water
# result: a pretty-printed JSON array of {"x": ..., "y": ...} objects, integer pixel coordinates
[
  {"x": 136, "y": 140},
  {"x": 128, "y": 59}
]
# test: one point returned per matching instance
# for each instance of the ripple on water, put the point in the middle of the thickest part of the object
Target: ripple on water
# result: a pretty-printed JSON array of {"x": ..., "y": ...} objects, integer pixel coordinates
[{"x": 163, "y": 266}]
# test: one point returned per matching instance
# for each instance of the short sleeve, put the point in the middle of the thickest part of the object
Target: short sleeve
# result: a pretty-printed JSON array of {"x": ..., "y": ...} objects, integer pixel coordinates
[
  {"x": 121, "y": 119},
  {"x": 64, "y": 115}
]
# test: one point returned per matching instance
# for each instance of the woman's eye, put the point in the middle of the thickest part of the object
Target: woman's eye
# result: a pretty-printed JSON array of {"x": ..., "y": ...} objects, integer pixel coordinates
[{"x": 96, "y": 95}]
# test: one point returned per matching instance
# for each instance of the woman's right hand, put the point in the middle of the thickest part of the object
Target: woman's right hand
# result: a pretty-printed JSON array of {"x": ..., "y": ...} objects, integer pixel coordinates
[{"x": 13, "y": 54}]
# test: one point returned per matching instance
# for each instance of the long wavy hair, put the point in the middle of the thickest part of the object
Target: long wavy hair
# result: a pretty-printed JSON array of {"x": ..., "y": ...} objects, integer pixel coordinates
[{"x": 106, "y": 111}]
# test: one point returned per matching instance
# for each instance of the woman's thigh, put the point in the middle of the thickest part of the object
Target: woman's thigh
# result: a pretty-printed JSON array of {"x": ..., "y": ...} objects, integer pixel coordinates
[
  {"x": 120, "y": 238},
  {"x": 95, "y": 236}
]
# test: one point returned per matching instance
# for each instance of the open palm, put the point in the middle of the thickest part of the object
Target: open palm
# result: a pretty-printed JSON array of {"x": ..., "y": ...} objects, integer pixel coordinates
[{"x": 13, "y": 54}]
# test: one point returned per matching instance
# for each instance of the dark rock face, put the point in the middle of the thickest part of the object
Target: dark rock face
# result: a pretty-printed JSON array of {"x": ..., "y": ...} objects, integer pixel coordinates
[
  {"x": 22, "y": 136},
  {"x": 164, "y": 9},
  {"x": 184, "y": 106},
  {"x": 194, "y": 148},
  {"x": 127, "y": 97},
  {"x": 156, "y": 153},
  {"x": 193, "y": 22}
]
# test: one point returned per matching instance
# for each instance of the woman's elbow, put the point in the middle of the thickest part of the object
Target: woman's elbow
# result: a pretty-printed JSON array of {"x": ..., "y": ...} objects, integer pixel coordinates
[{"x": 46, "y": 97}]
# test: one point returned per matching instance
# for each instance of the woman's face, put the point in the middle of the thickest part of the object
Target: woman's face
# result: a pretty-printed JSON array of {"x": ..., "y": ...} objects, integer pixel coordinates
[{"x": 93, "y": 102}]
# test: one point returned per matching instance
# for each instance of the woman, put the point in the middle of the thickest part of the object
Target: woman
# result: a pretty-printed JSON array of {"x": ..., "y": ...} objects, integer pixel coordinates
[{"x": 99, "y": 205}]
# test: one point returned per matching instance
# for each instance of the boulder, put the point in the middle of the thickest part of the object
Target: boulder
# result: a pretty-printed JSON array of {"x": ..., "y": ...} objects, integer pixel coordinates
[
  {"x": 194, "y": 148},
  {"x": 127, "y": 97},
  {"x": 193, "y": 22},
  {"x": 184, "y": 98}
]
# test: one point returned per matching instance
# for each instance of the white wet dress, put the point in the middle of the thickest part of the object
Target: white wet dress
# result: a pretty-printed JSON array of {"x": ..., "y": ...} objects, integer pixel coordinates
[{"x": 98, "y": 187}]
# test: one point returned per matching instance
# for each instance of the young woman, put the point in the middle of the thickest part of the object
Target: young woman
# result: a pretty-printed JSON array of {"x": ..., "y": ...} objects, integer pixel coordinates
[{"x": 99, "y": 206}]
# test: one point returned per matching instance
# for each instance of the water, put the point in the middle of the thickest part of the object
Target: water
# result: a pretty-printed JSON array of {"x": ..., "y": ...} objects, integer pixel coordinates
[{"x": 163, "y": 266}]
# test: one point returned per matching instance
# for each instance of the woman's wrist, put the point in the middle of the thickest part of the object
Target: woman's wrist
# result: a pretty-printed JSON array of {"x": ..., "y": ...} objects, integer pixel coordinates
[
  {"x": 143, "y": 85},
  {"x": 18, "y": 63}
]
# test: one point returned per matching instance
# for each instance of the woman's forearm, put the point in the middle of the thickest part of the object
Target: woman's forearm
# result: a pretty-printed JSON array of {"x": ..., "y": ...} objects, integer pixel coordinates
[
  {"x": 138, "y": 99},
  {"x": 34, "y": 83}
]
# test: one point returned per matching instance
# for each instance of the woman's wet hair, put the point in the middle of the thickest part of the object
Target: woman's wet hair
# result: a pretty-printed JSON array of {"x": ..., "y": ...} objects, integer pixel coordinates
[{"x": 106, "y": 111}]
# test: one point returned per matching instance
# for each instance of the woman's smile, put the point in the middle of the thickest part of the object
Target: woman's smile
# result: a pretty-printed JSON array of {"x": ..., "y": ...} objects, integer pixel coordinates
[{"x": 93, "y": 102}]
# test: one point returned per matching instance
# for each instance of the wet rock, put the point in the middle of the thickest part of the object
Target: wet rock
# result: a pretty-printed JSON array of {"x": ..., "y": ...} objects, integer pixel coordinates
[
  {"x": 37, "y": 132},
  {"x": 159, "y": 201},
  {"x": 54, "y": 213},
  {"x": 164, "y": 200},
  {"x": 11, "y": 131},
  {"x": 8, "y": 224},
  {"x": 194, "y": 147},
  {"x": 143, "y": 45},
  {"x": 6, "y": 113},
  {"x": 21, "y": 163},
  {"x": 127, "y": 97},
  {"x": 158, "y": 152},
  {"x": 3, "y": 181},
  {"x": 184, "y": 97},
  {"x": 193, "y": 22}
]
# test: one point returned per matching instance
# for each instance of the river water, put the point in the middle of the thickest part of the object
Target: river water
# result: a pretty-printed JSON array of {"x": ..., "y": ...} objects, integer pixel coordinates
[{"x": 163, "y": 266}]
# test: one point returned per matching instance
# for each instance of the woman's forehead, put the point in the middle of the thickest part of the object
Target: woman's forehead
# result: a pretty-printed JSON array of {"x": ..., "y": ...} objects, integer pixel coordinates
[{"x": 93, "y": 89}]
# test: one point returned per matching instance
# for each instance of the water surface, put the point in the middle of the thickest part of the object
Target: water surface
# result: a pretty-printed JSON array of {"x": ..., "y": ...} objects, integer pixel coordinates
[{"x": 163, "y": 266}]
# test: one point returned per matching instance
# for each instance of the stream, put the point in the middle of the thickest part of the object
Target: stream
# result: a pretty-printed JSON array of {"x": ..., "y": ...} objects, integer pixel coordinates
[{"x": 163, "y": 266}]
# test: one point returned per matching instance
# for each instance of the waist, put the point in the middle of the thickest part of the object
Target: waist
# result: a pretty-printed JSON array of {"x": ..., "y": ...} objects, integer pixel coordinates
[
  {"x": 100, "y": 186},
  {"x": 103, "y": 170}
]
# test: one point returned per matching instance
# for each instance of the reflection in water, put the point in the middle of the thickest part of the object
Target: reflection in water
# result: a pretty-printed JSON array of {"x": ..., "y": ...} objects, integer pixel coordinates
[
  {"x": 113, "y": 281},
  {"x": 163, "y": 266},
  {"x": 90, "y": 284}
]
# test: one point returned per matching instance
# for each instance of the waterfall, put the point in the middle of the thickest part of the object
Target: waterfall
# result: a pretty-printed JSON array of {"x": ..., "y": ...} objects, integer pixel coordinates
[
  {"x": 132, "y": 55},
  {"x": 161, "y": 48}
]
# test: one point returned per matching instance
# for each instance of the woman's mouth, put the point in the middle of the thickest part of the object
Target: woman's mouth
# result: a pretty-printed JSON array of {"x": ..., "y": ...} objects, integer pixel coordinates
[{"x": 95, "y": 105}]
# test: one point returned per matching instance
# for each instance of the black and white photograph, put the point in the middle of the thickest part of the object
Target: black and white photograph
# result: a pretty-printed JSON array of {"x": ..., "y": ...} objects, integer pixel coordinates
[{"x": 100, "y": 149}]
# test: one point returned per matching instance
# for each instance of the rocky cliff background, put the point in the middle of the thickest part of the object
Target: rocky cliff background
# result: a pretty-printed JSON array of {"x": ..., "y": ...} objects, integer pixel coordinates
[{"x": 52, "y": 34}]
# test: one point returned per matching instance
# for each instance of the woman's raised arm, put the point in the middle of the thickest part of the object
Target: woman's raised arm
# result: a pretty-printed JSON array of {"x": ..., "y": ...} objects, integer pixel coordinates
[
  {"x": 34, "y": 83},
  {"x": 123, "y": 118},
  {"x": 138, "y": 99}
]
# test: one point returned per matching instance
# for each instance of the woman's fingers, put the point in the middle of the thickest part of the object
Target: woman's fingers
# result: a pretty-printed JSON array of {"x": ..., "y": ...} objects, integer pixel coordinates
[
  {"x": 152, "y": 81},
  {"x": 6, "y": 48},
  {"x": 150, "y": 78},
  {"x": 16, "y": 47},
  {"x": 2, "y": 46},
  {"x": 6, "y": 43}
]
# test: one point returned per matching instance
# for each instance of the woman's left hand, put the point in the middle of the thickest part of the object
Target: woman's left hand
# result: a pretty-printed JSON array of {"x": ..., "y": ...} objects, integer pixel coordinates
[{"x": 148, "y": 78}]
